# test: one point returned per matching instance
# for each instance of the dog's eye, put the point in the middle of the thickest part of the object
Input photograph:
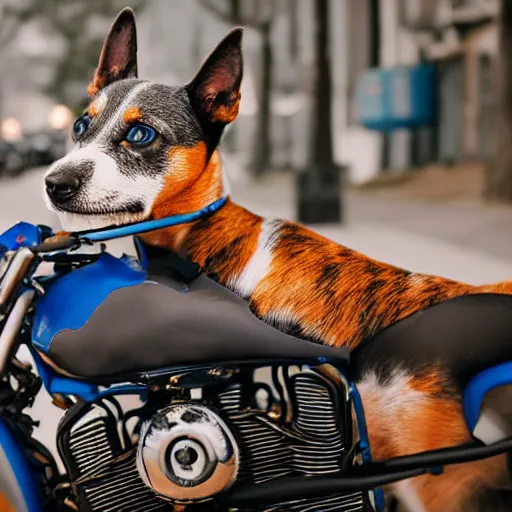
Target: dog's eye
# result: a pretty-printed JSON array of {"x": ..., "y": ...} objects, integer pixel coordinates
[
  {"x": 80, "y": 125},
  {"x": 140, "y": 135}
]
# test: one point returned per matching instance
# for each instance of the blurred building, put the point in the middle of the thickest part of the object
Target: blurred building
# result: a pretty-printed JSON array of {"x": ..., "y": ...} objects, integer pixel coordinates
[{"x": 459, "y": 38}]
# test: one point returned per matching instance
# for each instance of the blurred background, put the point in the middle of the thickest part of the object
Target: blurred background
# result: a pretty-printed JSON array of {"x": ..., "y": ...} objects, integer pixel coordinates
[{"x": 386, "y": 124}]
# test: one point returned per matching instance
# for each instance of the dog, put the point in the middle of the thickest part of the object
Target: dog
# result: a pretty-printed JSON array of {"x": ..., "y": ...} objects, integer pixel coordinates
[{"x": 148, "y": 151}]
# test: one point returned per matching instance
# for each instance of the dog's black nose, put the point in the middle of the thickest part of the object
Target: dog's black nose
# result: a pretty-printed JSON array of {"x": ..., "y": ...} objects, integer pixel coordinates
[{"x": 62, "y": 186}]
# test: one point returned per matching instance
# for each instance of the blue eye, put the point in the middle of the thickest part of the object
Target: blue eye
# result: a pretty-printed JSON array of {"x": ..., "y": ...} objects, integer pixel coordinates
[
  {"x": 140, "y": 135},
  {"x": 80, "y": 125}
]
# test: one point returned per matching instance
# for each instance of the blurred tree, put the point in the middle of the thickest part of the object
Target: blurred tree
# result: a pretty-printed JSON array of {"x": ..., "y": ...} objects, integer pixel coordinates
[
  {"x": 81, "y": 26},
  {"x": 259, "y": 17},
  {"x": 319, "y": 194},
  {"x": 498, "y": 185}
]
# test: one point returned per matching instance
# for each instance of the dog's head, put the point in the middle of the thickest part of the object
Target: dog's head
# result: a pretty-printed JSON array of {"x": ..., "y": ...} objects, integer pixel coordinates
[{"x": 145, "y": 150}]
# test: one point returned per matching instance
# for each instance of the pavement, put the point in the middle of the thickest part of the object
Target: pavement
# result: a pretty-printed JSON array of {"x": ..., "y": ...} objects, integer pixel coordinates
[{"x": 465, "y": 241}]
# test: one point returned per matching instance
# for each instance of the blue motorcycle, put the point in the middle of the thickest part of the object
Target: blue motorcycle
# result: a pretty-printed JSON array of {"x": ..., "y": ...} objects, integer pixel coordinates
[{"x": 175, "y": 396}]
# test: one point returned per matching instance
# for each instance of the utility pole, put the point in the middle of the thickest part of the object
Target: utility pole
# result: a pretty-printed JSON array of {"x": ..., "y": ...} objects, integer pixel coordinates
[{"x": 319, "y": 185}]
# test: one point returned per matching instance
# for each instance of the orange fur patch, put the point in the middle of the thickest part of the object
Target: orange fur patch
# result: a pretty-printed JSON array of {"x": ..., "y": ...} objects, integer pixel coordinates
[
  {"x": 190, "y": 185},
  {"x": 337, "y": 295},
  {"x": 94, "y": 87},
  {"x": 5, "y": 504},
  {"x": 95, "y": 108},
  {"x": 427, "y": 424},
  {"x": 227, "y": 113},
  {"x": 132, "y": 114},
  {"x": 229, "y": 242},
  {"x": 98, "y": 81}
]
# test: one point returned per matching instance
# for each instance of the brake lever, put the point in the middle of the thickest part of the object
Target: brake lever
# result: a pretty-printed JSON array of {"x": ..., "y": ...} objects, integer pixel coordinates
[{"x": 56, "y": 243}]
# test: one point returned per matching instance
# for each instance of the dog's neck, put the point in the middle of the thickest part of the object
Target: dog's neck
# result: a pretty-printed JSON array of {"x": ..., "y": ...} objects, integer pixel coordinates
[{"x": 200, "y": 240}]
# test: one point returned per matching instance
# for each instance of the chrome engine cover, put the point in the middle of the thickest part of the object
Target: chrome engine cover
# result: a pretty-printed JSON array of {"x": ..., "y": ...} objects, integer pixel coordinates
[
  {"x": 243, "y": 428},
  {"x": 187, "y": 453}
]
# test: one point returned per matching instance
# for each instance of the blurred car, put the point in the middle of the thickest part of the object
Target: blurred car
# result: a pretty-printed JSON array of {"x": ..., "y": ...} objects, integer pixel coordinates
[
  {"x": 44, "y": 147},
  {"x": 13, "y": 158}
]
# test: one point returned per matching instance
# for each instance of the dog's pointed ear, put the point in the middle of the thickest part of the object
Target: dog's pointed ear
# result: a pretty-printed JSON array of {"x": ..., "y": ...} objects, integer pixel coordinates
[
  {"x": 118, "y": 57},
  {"x": 215, "y": 90}
]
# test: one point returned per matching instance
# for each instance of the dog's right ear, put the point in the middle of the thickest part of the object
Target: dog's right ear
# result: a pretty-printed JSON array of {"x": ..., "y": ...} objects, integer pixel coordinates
[
  {"x": 215, "y": 90},
  {"x": 118, "y": 59}
]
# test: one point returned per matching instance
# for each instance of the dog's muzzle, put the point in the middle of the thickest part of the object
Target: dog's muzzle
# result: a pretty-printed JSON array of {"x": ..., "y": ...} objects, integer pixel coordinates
[{"x": 64, "y": 183}]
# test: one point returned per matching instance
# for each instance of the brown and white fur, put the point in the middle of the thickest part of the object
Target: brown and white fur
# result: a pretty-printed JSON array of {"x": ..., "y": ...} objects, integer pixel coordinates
[{"x": 293, "y": 278}]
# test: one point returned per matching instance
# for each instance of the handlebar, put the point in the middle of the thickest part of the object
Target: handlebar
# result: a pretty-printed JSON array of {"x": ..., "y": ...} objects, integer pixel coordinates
[{"x": 59, "y": 244}]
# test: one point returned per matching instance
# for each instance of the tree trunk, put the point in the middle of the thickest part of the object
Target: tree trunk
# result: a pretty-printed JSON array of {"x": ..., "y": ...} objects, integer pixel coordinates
[
  {"x": 262, "y": 147},
  {"x": 499, "y": 171}
]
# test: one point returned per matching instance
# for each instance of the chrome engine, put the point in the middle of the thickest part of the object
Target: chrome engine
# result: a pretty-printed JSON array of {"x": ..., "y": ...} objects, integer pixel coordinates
[
  {"x": 241, "y": 429},
  {"x": 187, "y": 453}
]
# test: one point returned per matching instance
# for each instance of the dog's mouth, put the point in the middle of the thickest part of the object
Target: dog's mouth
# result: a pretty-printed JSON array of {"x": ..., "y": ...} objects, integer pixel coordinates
[
  {"x": 91, "y": 217},
  {"x": 131, "y": 208}
]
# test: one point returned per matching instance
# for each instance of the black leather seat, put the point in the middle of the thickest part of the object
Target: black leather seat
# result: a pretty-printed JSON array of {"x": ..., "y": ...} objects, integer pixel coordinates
[
  {"x": 463, "y": 336},
  {"x": 161, "y": 324}
]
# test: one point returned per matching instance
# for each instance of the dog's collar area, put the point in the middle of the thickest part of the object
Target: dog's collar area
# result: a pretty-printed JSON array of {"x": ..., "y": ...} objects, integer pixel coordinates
[{"x": 113, "y": 232}]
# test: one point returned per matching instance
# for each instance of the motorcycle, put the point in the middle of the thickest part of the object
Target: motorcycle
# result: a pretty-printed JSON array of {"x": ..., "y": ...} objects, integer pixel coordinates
[{"x": 175, "y": 396}]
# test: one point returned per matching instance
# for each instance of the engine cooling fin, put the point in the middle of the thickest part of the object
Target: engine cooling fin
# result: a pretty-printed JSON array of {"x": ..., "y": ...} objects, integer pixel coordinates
[
  {"x": 314, "y": 444},
  {"x": 118, "y": 486},
  {"x": 310, "y": 438}
]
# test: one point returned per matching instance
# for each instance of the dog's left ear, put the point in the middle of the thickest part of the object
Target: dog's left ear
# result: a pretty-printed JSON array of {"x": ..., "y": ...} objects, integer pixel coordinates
[
  {"x": 118, "y": 59},
  {"x": 215, "y": 90}
]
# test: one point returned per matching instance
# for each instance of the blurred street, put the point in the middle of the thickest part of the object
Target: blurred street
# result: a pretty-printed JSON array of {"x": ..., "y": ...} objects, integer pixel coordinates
[{"x": 465, "y": 241}]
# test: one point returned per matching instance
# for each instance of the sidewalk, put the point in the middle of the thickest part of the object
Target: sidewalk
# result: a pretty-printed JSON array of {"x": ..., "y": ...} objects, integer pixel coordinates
[{"x": 464, "y": 240}]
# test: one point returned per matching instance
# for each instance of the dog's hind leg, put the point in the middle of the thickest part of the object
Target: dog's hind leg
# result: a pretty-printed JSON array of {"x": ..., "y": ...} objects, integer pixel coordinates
[{"x": 403, "y": 419}]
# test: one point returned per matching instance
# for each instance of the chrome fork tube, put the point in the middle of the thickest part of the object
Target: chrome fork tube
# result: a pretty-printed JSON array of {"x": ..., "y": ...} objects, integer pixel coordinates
[
  {"x": 12, "y": 327},
  {"x": 14, "y": 274}
]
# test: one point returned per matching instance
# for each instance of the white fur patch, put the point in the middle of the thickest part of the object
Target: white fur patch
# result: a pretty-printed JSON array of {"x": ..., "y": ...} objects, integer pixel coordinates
[
  {"x": 282, "y": 318},
  {"x": 394, "y": 398},
  {"x": 99, "y": 103},
  {"x": 407, "y": 497},
  {"x": 395, "y": 394},
  {"x": 259, "y": 263},
  {"x": 106, "y": 186}
]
